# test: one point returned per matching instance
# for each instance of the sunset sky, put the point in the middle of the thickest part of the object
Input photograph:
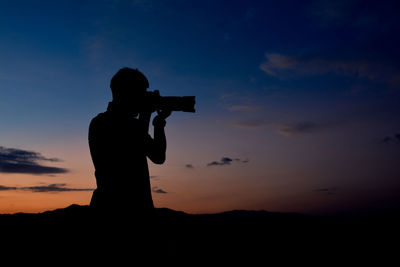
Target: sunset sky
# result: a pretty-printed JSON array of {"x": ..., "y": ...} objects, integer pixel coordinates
[{"x": 297, "y": 101}]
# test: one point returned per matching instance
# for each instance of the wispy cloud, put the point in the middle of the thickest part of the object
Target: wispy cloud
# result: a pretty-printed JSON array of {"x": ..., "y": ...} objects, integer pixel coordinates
[
  {"x": 226, "y": 161},
  {"x": 333, "y": 13},
  {"x": 159, "y": 190},
  {"x": 349, "y": 13},
  {"x": 189, "y": 166},
  {"x": 276, "y": 63},
  {"x": 244, "y": 107},
  {"x": 223, "y": 161},
  {"x": 7, "y": 188},
  {"x": 14, "y": 160},
  {"x": 248, "y": 109},
  {"x": 51, "y": 188},
  {"x": 239, "y": 102},
  {"x": 249, "y": 123},
  {"x": 284, "y": 66},
  {"x": 298, "y": 128},
  {"x": 327, "y": 190},
  {"x": 391, "y": 139}
]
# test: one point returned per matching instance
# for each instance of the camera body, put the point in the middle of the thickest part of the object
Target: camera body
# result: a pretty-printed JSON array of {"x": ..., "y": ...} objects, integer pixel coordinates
[{"x": 154, "y": 101}]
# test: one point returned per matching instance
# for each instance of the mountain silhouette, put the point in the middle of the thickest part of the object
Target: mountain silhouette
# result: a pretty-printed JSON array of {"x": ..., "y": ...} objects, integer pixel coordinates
[{"x": 175, "y": 235}]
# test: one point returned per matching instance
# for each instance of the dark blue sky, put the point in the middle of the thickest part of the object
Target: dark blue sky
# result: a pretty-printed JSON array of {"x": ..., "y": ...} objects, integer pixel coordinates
[{"x": 307, "y": 91}]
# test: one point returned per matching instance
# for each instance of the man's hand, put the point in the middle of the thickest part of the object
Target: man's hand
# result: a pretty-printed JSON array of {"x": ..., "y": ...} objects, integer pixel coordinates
[{"x": 159, "y": 120}]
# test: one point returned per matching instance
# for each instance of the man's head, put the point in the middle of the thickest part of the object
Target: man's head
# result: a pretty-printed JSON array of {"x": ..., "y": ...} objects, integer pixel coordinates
[
  {"x": 128, "y": 83},
  {"x": 128, "y": 88}
]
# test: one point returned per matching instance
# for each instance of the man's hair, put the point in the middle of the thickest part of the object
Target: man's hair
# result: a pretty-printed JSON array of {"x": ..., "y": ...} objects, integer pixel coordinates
[{"x": 128, "y": 79}]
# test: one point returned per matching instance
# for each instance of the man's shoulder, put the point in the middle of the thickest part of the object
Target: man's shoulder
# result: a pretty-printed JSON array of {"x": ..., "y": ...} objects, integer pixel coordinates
[
  {"x": 107, "y": 119},
  {"x": 100, "y": 119},
  {"x": 100, "y": 116}
]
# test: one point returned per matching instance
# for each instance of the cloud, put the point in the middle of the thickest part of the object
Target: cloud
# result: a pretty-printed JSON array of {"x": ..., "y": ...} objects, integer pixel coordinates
[
  {"x": 189, "y": 166},
  {"x": 23, "y": 161},
  {"x": 298, "y": 128},
  {"x": 361, "y": 14},
  {"x": 280, "y": 65},
  {"x": 55, "y": 188},
  {"x": 241, "y": 102},
  {"x": 249, "y": 123},
  {"x": 277, "y": 62},
  {"x": 7, "y": 188},
  {"x": 226, "y": 161},
  {"x": 223, "y": 161},
  {"x": 327, "y": 190},
  {"x": 286, "y": 66},
  {"x": 391, "y": 139},
  {"x": 334, "y": 13},
  {"x": 244, "y": 107},
  {"x": 159, "y": 190}
]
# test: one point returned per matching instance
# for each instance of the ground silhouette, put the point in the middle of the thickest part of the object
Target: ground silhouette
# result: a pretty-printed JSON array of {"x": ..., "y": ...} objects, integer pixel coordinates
[{"x": 169, "y": 235}]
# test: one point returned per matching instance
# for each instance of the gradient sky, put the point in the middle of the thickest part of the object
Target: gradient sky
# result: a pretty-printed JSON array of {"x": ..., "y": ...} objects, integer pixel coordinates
[{"x": 297, "y": 101}]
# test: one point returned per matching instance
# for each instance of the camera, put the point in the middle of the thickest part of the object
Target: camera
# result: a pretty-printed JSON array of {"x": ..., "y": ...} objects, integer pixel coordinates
[{"x": 154, "y": 101}]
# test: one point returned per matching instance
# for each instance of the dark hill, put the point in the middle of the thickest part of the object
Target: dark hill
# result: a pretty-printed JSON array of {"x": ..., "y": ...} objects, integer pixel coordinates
[{"x": 174, "y": 235}]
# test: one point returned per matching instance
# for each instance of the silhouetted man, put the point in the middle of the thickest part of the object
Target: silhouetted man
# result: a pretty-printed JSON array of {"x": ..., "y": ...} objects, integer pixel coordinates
[{"x": 119, "y": 144}]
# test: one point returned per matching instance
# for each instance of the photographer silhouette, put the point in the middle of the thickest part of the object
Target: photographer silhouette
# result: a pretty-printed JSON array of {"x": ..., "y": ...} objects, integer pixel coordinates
[{"x": 119, "y": 144}]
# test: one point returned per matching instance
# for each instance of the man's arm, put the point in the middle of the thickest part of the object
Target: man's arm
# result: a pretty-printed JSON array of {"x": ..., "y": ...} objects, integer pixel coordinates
[{"x": 158, "y": 145}]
